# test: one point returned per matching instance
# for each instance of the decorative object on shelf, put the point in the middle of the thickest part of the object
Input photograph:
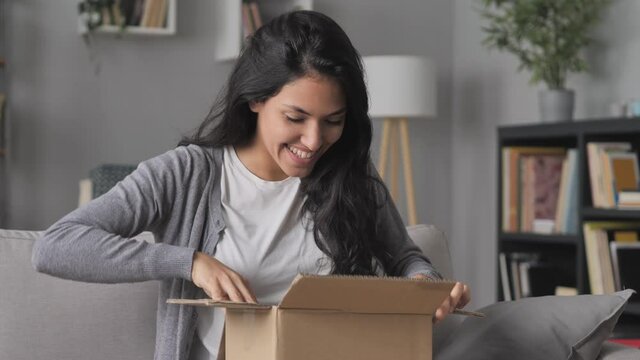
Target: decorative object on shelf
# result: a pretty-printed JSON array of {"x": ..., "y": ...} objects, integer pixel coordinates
[
  {"x": 92, "y": 14},
  {"x": 142, "y": 17},
  {"x": 547, "y": 37},
  {"x": 400, "y": 87},
  {"x": 633, "y": 108},
  {"x": 618, "y": 109}
]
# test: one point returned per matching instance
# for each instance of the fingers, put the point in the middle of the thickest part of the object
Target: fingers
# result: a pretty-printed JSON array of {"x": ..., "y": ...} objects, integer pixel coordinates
[
  {"x": 237, "y": 288},
  {"x": 455, "y": 295},
  {"x": 218, "y": 281},
  {"x": 246, "y": 292},
  {"x": 234, "y": 288},
  {"x": 442, "y": 312},
  {"x": 459, "y": 297},
  {"x": 465, "y": 298}
]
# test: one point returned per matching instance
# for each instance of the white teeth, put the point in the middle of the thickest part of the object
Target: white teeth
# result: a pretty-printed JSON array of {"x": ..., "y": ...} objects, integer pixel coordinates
[{"x": 299, "y": 153}]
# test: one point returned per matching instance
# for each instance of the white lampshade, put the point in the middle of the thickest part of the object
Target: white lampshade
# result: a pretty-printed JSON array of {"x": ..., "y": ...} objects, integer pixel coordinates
[{"x": 401, "y": 86}]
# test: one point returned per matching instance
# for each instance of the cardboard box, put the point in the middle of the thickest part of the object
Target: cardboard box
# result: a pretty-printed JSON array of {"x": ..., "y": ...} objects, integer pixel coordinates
[{"x": 334, "y": 318}]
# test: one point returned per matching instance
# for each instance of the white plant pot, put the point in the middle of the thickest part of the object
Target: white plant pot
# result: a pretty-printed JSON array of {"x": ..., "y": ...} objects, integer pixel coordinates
[{"x": 556, "y": 105}]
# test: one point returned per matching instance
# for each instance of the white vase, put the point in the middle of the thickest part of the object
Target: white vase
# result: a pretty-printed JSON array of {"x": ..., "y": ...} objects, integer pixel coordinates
[{"x": 556, "y": 105}]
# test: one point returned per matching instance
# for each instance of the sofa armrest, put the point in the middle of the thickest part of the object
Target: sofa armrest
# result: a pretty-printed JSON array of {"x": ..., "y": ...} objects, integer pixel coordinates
[
  {"x": 433, "y": 243},
  {"x": 44, "y": 317}
]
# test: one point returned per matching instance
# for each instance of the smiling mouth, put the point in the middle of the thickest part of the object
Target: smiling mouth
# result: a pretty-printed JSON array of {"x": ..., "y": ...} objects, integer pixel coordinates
[{"x": 304, "y": 155}]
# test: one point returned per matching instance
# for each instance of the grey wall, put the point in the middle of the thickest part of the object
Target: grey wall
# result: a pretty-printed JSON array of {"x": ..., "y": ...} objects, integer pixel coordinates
[
  {"x": 488, "y": 92},
  {"x": 74, "y": 106}
]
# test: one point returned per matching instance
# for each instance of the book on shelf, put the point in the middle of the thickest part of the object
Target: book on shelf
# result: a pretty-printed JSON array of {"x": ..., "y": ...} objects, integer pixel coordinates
[
  {"x": 539, "y": 187},
  {"x": 625, "y": 257},
  {"x": 566, "y": 221},
  {"x": 530, "y": 185},
  {"x": 136, "y": 13},
  {"x": 611, "y": 169},
  {"x": 525, "y": 274},
  {"x": 624, "y": 167},
  {"x": 251, "y": 18},
  {"x": 547, "y": 171},
  {"x": 566, "y": 291},
  {"x": 516, "y": 290},
  {"x": 247, "y": 22},
  {"x": 255, "y": 15},
  {"x": 543, "y": 226},
  {"x": 597, "y": 236},
  {"x": 504, "y": 277},
  {"x": 624, "y": 235},
  {"x": 629, "y": 200}
]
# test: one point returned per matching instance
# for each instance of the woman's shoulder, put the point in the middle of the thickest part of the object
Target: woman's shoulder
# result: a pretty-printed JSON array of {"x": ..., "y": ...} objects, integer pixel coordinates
[
  {"x": 190, "y": 154},
  {"x": 187, "y": 160}
]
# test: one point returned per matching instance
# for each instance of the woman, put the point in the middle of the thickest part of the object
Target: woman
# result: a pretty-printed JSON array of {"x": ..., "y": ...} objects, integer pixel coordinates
[{"x": 276, "y": 181}]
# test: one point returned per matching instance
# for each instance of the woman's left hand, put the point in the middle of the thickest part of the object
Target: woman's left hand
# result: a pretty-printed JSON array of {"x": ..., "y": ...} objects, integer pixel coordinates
[{"x": 459, "y": 297}]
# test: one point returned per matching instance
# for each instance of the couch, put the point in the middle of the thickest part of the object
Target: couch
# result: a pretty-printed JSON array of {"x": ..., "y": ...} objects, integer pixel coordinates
[{"x": 43, "y": 317}]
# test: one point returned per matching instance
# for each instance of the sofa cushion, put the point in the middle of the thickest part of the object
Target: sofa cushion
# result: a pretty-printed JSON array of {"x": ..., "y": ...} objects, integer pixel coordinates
[
  {"x": 44, "y": 317},
  {"x": 549, "y": 327}
]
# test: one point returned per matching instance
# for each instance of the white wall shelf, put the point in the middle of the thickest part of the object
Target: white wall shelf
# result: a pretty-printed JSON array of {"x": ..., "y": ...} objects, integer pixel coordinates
[{"x": 168, "y": 30}]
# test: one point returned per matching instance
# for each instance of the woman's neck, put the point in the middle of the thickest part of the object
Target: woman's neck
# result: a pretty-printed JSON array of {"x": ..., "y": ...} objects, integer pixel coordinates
[{"x": 258, "y": 160}]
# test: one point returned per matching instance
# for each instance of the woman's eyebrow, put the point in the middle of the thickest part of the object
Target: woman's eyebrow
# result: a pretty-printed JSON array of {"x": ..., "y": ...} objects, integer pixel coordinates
[{"x": 301, "y": 110}]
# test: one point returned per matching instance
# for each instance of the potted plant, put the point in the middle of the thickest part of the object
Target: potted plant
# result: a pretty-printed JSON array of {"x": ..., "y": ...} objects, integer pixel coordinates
[
  {"x": 547, "y": 36},
  {"x": 96, "y": 13}
]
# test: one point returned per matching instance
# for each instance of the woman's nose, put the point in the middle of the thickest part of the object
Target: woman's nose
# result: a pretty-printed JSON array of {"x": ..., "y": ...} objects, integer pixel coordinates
[{"x": 312, "y": 136}]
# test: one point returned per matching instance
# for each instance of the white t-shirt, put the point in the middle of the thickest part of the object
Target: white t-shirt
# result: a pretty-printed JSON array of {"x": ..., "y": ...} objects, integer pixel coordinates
[{"x": 265, "y": 241}]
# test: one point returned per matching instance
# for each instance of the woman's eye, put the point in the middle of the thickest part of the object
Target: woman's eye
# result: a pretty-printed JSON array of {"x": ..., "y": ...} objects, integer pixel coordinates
[
  {"x": 294, "y": 119},
  {"x": 336, "y": 122}
]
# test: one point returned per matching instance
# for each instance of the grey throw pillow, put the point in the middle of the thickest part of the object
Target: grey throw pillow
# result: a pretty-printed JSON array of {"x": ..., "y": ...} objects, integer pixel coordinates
[{"x": 549, "y": 327}]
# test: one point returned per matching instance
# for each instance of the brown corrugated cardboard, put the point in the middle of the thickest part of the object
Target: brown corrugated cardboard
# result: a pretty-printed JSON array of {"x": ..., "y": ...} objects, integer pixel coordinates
[{"x": 335, "y": 317}]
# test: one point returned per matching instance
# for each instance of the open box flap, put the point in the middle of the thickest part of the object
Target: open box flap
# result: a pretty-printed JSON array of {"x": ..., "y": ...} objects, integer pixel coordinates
[
  {"x": 223, "y": 304},
  {"x": 366, "y": 294}
]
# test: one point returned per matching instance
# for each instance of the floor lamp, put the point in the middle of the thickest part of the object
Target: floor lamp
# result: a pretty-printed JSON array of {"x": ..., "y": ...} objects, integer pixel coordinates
[{"x": 400, "y": 87}]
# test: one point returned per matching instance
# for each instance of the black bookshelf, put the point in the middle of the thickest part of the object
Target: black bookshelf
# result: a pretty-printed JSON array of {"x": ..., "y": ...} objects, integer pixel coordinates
[{"x": 569, "y": 248}]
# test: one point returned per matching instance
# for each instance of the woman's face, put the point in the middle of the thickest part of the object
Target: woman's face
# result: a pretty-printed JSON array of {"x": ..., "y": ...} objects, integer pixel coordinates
[{"x": 295, "y": 128}]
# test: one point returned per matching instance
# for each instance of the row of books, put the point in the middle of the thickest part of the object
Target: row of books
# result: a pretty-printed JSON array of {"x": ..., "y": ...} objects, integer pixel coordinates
[
  {"x": 612, "y": 250},
  {"x": 613, "y": 175},
  {"x": 539, "y": 189},
  {"x": 629, "y": 200},
  {"x": 143, "y": 13},
  {"x": 525, "y": 274},
  {"x": 251, "y": 18}
]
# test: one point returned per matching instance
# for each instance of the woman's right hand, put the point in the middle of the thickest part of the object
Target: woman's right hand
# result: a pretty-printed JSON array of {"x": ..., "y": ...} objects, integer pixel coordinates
[{"x": 219, "y": 281}]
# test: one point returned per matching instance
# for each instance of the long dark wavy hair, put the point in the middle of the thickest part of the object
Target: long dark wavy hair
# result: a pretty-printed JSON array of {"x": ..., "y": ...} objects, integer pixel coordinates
[{"x": 341, "y": 190}]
